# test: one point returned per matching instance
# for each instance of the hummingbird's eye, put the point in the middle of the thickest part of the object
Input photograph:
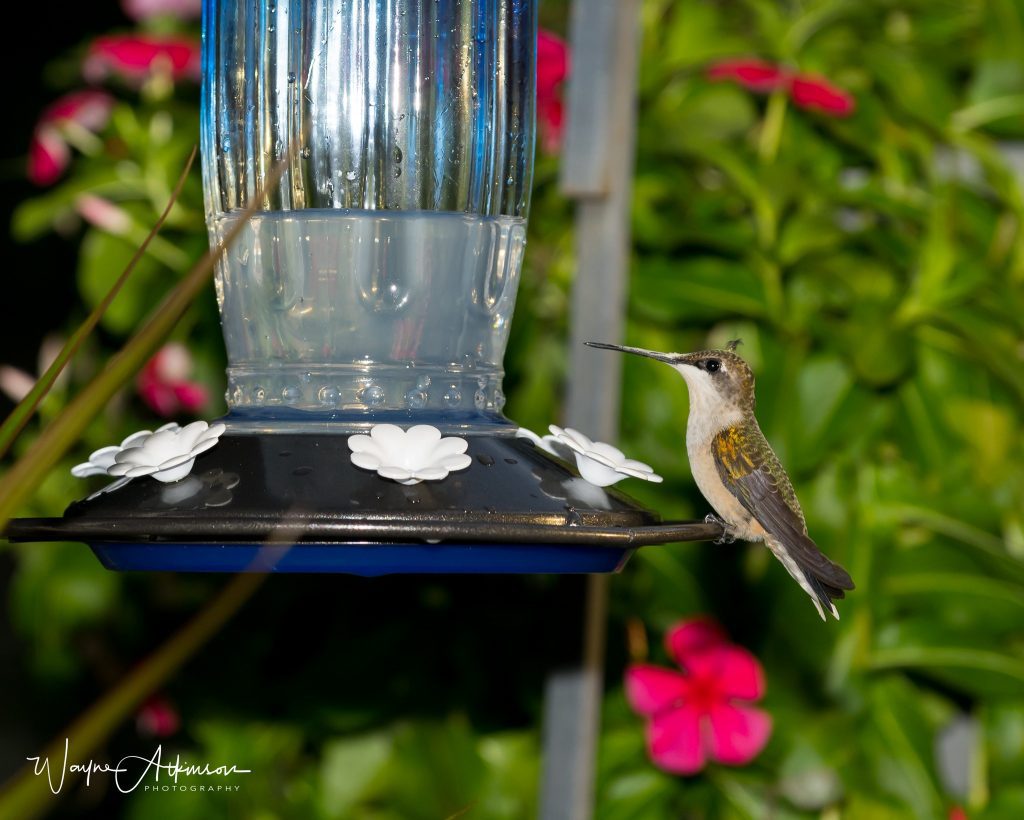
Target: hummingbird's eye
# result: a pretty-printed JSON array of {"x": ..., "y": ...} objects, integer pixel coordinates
[{"x": 712, "y": 365}]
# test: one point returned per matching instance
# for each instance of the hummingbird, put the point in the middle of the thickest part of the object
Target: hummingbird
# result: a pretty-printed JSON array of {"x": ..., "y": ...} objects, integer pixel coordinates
[{"x": 739, "y": 474}]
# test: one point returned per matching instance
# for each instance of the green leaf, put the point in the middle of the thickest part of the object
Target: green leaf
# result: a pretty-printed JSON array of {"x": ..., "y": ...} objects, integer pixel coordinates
[
  {"x": 348, "y": 768},
  {"x": 101, "y": 260},
  {"x": 899, "y": 744},
  {"x": 703, "y": 287},
  {"x": 926, "y": 647}
]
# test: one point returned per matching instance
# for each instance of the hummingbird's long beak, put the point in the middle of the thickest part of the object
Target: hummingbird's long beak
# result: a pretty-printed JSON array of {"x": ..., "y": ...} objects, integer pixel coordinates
[{"x": 670, "y": 358}]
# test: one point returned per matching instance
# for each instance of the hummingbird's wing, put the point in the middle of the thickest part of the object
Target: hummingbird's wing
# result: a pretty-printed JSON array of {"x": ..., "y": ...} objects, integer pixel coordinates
[{"x": 750, "y": 469}]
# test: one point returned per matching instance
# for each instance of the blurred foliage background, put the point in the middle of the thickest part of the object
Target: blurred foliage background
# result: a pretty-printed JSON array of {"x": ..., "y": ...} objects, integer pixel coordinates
[{"x": 873, "y": 265}]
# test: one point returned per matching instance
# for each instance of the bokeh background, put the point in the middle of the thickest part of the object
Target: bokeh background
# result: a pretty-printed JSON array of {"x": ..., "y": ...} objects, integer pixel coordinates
[{"x": 839, "y": 184}]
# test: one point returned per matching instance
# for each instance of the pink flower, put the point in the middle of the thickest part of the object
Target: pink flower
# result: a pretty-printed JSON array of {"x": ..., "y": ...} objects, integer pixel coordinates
[
  {"x": 49, "y": 153},
  {"x": 807, "y": 91},
  {"x": 818, "y": 94},
  {"x": 757, "y": 75},
  {"x": 157, "y": 717},
  {"x": 135, "y": 57},
  {"x": 146, "y": 9},
  {"x": 103, "y": 214},
  {"x": 552, "y": 69},
  {"x": 700, "y": 713},
  {"x": 163, "y": 383}
]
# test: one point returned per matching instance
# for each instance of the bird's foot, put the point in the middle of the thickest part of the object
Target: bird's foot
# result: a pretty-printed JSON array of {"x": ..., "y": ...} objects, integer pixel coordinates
[{"x": 728, "y": 535}]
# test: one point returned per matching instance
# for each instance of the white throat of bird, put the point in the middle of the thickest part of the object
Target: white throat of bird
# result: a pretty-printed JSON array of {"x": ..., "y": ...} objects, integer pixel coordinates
[{"x": 710, "y": 411}]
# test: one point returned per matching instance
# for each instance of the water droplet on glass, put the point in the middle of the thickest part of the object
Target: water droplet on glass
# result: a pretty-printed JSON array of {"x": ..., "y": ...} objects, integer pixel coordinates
[
  {"x": 351, "y": 176},
  {"x": 398, "y": 154},
  {"x": 305, "y": 152},
  {"x": 291, "y": 394},
  {"x": 225, "y": 144},
  {"x": 291, "y": 76},
  {"x": 398, "y": 172}
]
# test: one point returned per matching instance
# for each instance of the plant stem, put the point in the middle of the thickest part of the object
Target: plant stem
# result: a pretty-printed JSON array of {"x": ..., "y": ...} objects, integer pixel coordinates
[{"x": 771, "y": 128}]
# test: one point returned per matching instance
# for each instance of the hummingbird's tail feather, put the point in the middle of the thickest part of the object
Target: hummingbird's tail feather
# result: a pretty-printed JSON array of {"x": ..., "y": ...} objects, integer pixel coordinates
[{"x": 822, "y": 579}]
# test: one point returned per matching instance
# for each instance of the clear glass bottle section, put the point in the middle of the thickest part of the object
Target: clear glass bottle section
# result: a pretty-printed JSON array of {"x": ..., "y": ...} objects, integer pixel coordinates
[{"x": 381, "y": 273}]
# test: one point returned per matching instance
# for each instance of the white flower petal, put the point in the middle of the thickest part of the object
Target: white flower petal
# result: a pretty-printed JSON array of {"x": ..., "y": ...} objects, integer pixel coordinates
[
  {"x": 453, "y": 462},
  {"x": 174, "y": 462},
  {"x": 368, "y": 461},
  {"x": 141, "y": 470},
  {"x": 187, "y": 436},
  {"x": 448, "y": 446},
  {"x": 522, "y": 432},
  {"x": 430, "y": 473},
  {"x": 549, "y": 444},
  {"x": 133, "y": 456},
  {"x": 175, "y": 473},
  {"x": 135, "y": 439},
  {"x": 386, "y": 433},
  {"x": 597, "y": 473},
  {"x": 203, "y": 445},
  {"x": 395, "y": 473},
  {"x": 361, "y": 444},
  {"x": 607, "y": 453}
]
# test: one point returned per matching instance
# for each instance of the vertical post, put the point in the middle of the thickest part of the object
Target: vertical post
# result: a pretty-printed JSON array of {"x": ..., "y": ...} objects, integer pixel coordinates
[{"x": 597, "y": 171}]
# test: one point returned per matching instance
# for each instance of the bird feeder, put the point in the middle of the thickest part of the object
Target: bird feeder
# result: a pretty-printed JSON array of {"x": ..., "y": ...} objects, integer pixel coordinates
[{"x": 374, "y": 285}]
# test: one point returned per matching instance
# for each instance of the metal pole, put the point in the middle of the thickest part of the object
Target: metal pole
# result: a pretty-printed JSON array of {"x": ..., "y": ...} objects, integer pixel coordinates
[{"x": 597, "y": 171}]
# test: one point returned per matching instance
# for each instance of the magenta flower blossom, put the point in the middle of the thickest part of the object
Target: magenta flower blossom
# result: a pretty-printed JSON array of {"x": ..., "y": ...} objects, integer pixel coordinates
[
  {"x": 163, "y": 384},
  {"x": 136, "y": 57},
  {"x": 818, "y": 94},
  {"x": 552, "y": 70},
  {"x": 147, "y": 9},
  {"x": 157, "y": 717},
  {"x": 702, "y": 712},
  {"x": 757, "y": 75},
  {"x": 807, "y": 91},
  {"x": 49, "y": 152}
]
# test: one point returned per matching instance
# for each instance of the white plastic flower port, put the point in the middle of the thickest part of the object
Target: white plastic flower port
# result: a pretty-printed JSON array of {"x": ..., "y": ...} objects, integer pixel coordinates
[
  {"x": 409, "y": 456},
  {"x": 100, "y": 461},
  {"x": 601, "y": 463},
  {"x": 168, "y": 454}
]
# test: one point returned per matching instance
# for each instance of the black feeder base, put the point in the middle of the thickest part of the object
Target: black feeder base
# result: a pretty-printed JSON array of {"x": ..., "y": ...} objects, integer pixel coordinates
[{"x": 284, "y": 502}]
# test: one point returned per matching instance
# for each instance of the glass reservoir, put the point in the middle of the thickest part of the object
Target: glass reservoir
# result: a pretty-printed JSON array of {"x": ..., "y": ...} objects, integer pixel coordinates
[{"x": 379, "y": 277}]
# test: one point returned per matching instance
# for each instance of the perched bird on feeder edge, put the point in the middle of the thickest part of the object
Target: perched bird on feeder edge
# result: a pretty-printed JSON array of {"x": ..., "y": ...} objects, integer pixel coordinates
[{"x": 738, "y": 472}]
